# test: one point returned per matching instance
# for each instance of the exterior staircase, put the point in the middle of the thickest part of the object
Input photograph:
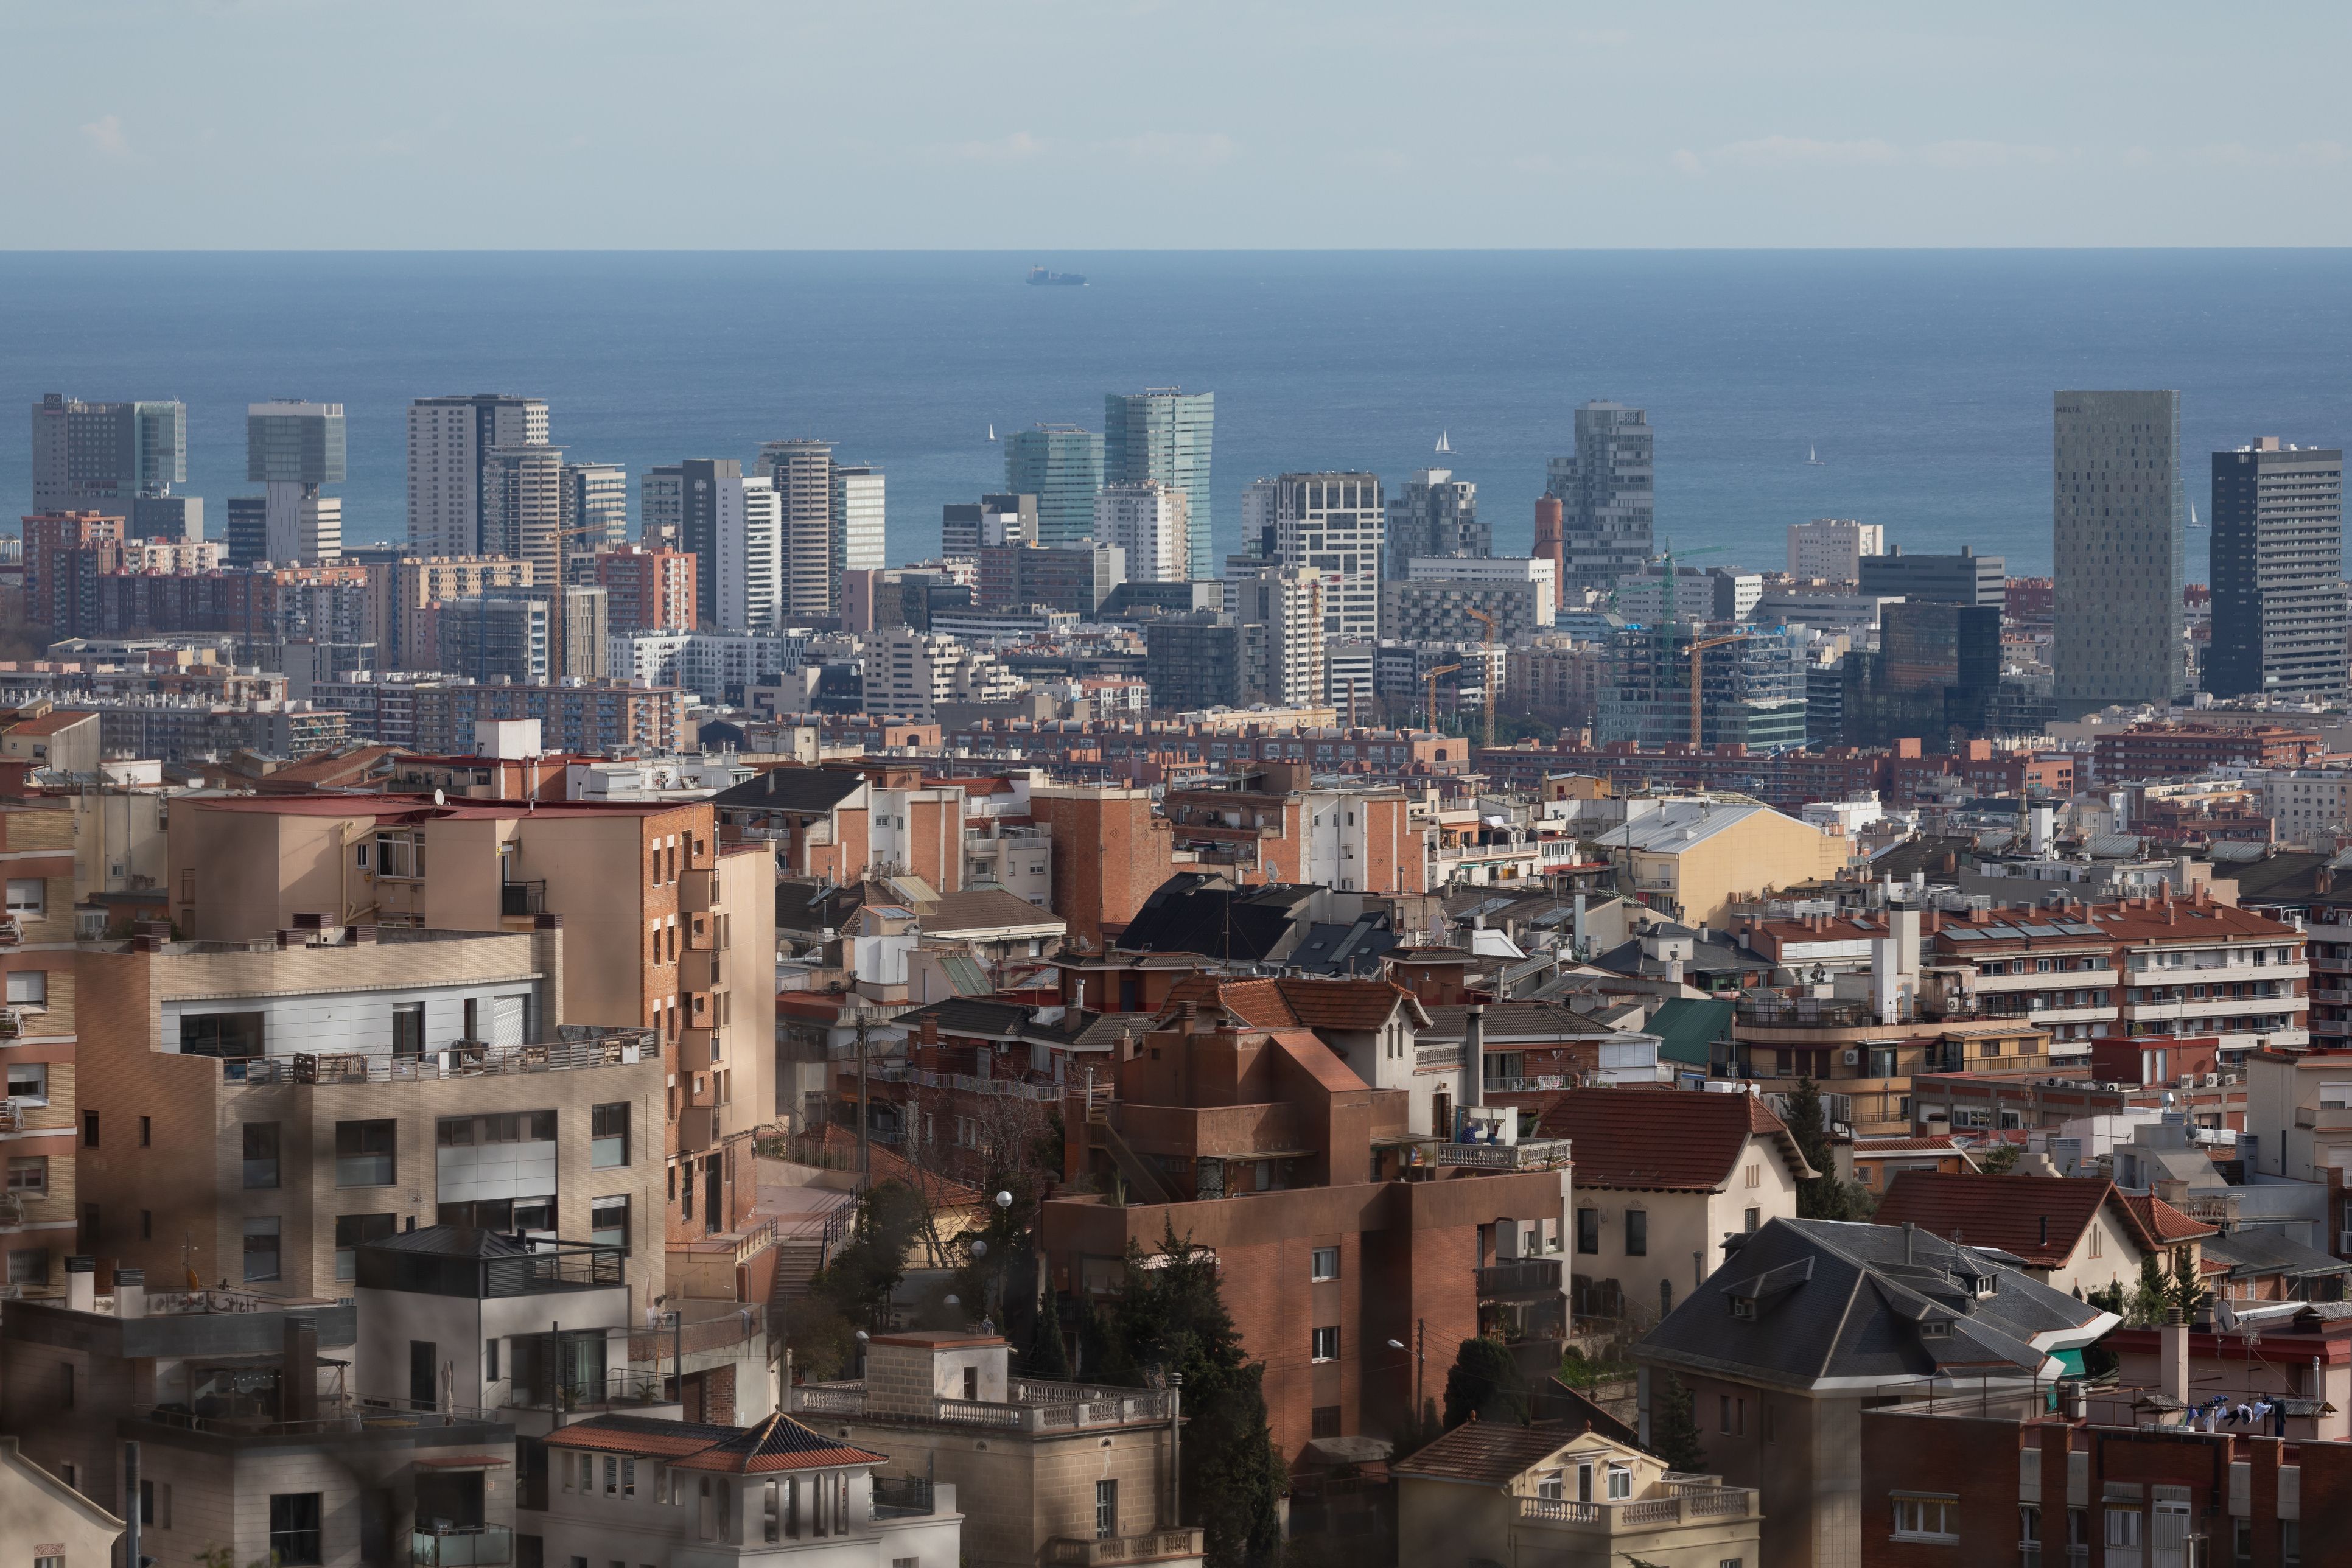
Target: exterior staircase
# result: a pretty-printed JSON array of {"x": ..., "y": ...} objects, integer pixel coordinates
[{"x": 1144, "y": 1182}]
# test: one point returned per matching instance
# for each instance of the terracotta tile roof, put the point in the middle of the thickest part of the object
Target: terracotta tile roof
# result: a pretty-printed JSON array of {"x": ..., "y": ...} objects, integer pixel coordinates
[
  {"x": 1298, "y": 1002},
  {"x": 2040, "y": 1219},
  {"x": 1660, "y": 1140},
  {"x": 1940, "y": 1144},
  {"x": 779, "y": 1442},
  {"x": 1317, "y": 1059},
  {"x": 2159, "y": 1223},
  {"x": 1488, "y": 1452},
  {"x": 640, "y": 1435}
]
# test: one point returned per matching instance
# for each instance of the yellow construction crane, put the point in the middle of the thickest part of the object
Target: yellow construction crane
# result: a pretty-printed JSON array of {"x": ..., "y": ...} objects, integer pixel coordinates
[
  {"x": 1429, "y": 678},
  {"x": 1697, "y": 649},
  {"x": 1483, "y": 618}
]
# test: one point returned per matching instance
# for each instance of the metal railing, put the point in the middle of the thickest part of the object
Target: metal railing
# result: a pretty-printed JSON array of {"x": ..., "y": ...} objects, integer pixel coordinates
[
  {"x": 1535, "y": 1156},
  {"x": 459, "y": 1058},
  {"x": 902, "y": 1497},
  {"x": 461, "y": 1546},
  {"x": 336, "y": 1416},
  {"x": 617, "y": 1390},
  {"x": 1527, "y": 1277},
  {"x": 517, "y": 899}
]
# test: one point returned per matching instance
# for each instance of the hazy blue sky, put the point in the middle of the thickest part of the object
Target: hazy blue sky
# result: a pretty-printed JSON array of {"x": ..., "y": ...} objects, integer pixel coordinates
[{"x": 1031, "y": 124}]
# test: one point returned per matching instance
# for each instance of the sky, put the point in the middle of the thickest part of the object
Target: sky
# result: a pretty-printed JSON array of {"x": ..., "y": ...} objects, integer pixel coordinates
[{"x": 994, "y": 124}]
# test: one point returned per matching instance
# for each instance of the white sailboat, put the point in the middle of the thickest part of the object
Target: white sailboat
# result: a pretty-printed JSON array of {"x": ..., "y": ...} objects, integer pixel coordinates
[
  {"x": 1813, "y": 459},
  {"x": 991, "y": 432},
  {"x": 2192, "y": 516},
  {"x": 1443, "y": 444}
]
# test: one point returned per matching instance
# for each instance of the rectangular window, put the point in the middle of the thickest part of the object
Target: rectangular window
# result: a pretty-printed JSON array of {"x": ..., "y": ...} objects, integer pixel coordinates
[
  {"x": 1324, "y": 1344},
  {"x": 1621, "y": 1482},
  {"x": 608, "y": 1136},
  {"x": 1107, "y": 1510},
  {"x": 1925, "y": 1518},
  {"x": 261, "y": 1254},
  {"x": 1323, "y": 1263},
  {"x": 408, "y": 1029},
  {"x": 29, "y": 1082},
  {"x": 1324, "y": 1421},
  {"x": 146, "y": 1132},
  {"x": 454, "y": 1132},
  {"x": 90, "y": 1129},
  {"x": 29, "y": 988},
  {"x": 28, "y": 1266},
  {"x": 1637, "y": 1233},
  {"x": 1588, "y": 1230},
  {"x": 221, "y": 1034},
  {"x": 2123, "y": 1528},
  {"x": 294, "y": 1528},
  {"x": 28, "y": 1175},
  {"x": 260, "y": 1156},
  {"x": 354, "y": 1231},
  {"x": 365, "y": 1154},
  {"x": 608, "y": 1221},
  {"x": 27, "y": 896}
]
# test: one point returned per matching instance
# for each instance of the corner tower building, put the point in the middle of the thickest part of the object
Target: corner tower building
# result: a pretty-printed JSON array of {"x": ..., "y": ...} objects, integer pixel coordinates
[
  {"x": 1164, "y": 433},
  {"x": 2278, "y": 567},
  {"x": 2117, "y": 550}
]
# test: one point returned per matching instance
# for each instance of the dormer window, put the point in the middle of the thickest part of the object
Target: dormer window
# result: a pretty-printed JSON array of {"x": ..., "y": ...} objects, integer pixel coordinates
[
  {"x": 1986, "y": 1284},
  {"x": 1936, "y": 1329},
  {"x": 1744, "y": 1308}
]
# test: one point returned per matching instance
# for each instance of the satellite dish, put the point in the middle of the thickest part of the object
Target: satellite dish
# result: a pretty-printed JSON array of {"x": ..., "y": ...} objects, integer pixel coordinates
[{"x": 437, "y": 799}]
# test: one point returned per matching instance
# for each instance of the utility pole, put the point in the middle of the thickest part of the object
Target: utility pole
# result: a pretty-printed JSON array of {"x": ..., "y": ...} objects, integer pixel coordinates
[{"x": 864, "y": 1149}]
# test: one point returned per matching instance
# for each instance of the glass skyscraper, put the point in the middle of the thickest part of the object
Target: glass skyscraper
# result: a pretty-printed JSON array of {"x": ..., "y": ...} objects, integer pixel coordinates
[
  {"x": 1163, "y": 433},
  {"x": 1062, "y": 466},
  {"x": 106, "y": 455}
]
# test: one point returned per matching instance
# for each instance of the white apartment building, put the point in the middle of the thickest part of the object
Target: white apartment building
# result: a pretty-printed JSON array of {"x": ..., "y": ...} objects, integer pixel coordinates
[
  {"x": 909, "y": 673},
  {"x": 1335, "y": 523},
  {"x": 1433, "y": 600},
  {"x": 707, "y": 663},
  {"x": 1832, "y": 548},
  {"x": 448, "y": 439},
  {"x": 2306, "y": 803},
  {"x": 1146, "y": 519},
  {"x": 803, "y": 475},
  {"x": 1280, "y": 611},
  {"x": 751, "y": 556},
  {"x": 521, "y": 512},
  {"x": 858, "y": 522}
]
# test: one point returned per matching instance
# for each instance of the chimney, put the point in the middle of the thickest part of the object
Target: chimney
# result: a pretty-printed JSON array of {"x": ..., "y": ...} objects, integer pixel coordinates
[
  {"x": 298, "y": 1370},
  {"x": 1910, "y": 1231},
  {"x": 81, "y": 1284},
  {"x": 1473, "y": 1057},
  {"x": 2172, "y": 1360}
]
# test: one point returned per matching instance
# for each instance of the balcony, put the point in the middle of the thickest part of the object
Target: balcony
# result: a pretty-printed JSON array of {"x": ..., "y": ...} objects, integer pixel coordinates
[
  {"x": 520, "y": 900},
  {"x": 2323, "y": 1118},
  {"x": 1038, "y": 1405},
  {"x": 1678, "y": 1501},
  {"x": 616, "y": 1391},
  {"x": 1535, "y": 1155},
  {"x": 1159, "y": 1545},
  {"x": 461, "y": 1546},
  {"x": 1527, "y": 1279},
  {"x": 576, "y": 1047}
]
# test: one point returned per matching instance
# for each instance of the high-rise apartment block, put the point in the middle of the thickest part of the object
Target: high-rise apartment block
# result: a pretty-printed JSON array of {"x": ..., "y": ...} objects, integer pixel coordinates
[
  {"x": 493, "y": 639},
  {"x": 1333, "y": 523},
  {"x": 1607, "y": 492},
  {"x": 1146, "y": 519},
  {"x": 693, "y": 502},
  {"x": 1282, "y": 615},
  {"x": 858, "y": 522},
  {"x": 1062, "y": 466},
  {"x": 1436, "y": 514},
  {"x": 106, "y": 455},
  {"x": 1966, "y": 578},
  {"x": 1830, "y": 549},
  {"x": 449, "y": 443},
  {"x": 646, "y": 590},
  {"x": 967, "y": 528},
  {"x": 1164, "y": 433},
  {"x": 404, "y": 593},
  {"x": 292, "y": 449},
  {"x": 2117, "y": 548},
  {"x": 750, "y": 556},
  {"x": 803, "y": 475},
  {"x": 2278, "y": 568},
  {"x": 522, "y": 508},
  {"x": 595, "y": 514}
]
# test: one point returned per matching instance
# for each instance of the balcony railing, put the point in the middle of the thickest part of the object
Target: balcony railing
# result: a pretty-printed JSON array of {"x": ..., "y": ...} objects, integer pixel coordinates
[
  {"x": 1687, "y": 1504},
  {"x": 1526, "y": 1278},
  {"x": 518, "y": 899},
  {"x": 1537, "y": 1154},
  {"x": 459, "y": 1058},
  {"x": 901, "y": 1497},
  {"x": 616, "y": 1391},
  {"x": 1094, "y": 1408},
  {"x": 461, "y": 1546},
  {"x": 1064, "y": 1551}
]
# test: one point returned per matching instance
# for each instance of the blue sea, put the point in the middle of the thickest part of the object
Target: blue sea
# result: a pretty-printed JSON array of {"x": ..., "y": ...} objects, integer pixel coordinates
[{"x": 1923, "y": 378}]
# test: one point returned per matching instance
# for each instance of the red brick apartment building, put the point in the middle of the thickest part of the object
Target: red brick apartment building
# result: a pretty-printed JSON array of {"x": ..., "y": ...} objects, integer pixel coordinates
[
  {"x": 646, "y": 590},
  {"x": 1948, "y": 1487},
  {"x": 2184, "y": 751}
]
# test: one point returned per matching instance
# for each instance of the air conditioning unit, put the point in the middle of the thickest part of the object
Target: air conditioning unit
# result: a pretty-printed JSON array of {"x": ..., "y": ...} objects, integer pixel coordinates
[
  {"x": 1853, "y": 1059},
  {"x": 2212, "y": 1080}
]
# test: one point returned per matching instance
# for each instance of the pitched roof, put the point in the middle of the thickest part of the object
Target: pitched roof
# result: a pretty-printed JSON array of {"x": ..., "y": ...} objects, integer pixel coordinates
[
  {"x": 1676, "y": 825},
  {"x": 1646, "y": 1138},
  {"x": 2159, "y": 1223},
  {"x": 987, "y": 908},
  {"x": 1856, "y": 1306},
  {"x": 1488, "y": 1452},
  {"x": 2040, "y": 1219},
  {"x": 779, "y": 1442},
  {"x": 1508, "y": 1025},
  {"x": 792, "y": 789},
  {"x": 1687, "y": 1029},
  {"x": 1298, "y": 1001},
  {"x": 1194, "y": 912}
]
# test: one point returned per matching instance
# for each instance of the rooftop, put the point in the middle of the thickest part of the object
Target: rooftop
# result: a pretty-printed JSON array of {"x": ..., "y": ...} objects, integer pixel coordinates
[{"x": 1639, "y": 1138}]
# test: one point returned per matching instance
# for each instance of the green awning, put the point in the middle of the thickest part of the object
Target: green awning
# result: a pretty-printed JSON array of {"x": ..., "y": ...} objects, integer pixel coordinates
[
  {"x": 1687, "y": 1029},
  {"x": 2072, "y": 1361}
]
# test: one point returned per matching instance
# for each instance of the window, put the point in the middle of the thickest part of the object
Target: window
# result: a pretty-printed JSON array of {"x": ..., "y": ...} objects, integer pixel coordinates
[
  {"x": 454, "y": 1132},
  {"x": 260, "y": 1155},
  {"x": 1755, "y": 1218},
  {"x": 28, "y": 1175},
  {"x": 408, "y": 1029},
  {"x": 1621, "y": 1482},
  {"x": 1723, "y": 1413},
  {"x": 90, "y": 1129},
  {"x": 1637, "y": 1233},
  {"x": 1323, "y": 1263},
  {"x": 608, "y": 1136},
  {"x": 29, "y": 988},
  {"x": 294, "y": 1528},
  {"x": 608, "y": 1221},
  {"x": 1323, "y": 1421},
  {"x": 28, "y": 1266},
  {"x": 261, "y": 1258},
  {"x": 1755, "y": 1175},
  {"x": 365, "y": 1153},
  {"x": 2290, "y": 1543},
  {"x": 220, "y": 1035},
  {"x": 1927, "y": 1518},
  {"x": 27, "y": 898},
  {"x": 29, "y": 1081},
  {"x": 1588, "y": 1230},
  {"x": 354, "y": 1231},
  {"x": 146, "y": 1132},
  {"x": 155, "y": 1504},
  {"x": 1325, "y": 1345},
  {"x": 2123, "y": 1527},
  {"x": 1107, "y": 1505}
]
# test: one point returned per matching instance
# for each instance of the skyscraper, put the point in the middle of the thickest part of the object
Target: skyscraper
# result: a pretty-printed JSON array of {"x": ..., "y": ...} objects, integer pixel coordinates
[
  {"x": 105, "y": 455},
  {"x": 1145, "y": 519},
  {"x": 1436, "y": 514},
  {"x": 2117, "y": 550},
  {"x": 522, "y": 509},
  {"x": 293, "y": 448},
  {"x": 748, "y": 528},
  {"x": 859, "y": 520},
  {"x": 802, "y": 472},
  {"x": 1062, "y": 466},
  {"x": 449, "y": 440},
  {"x": 595, "y": 515},
  {"x": 1333, "y": 522},
  {"x": 684, "y": 501},
  {"x": 2277, "y": 566},
  {"x": 1607, "y": 492},
  {"x": 1163, "y": 433}
]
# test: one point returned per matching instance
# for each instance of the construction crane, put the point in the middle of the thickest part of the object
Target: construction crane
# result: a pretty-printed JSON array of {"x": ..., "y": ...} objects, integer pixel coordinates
[
  {"x": 1697, "y": 649},
  {"x": 1430, "y": 679},
  {"x": 1487, "y": 662}
]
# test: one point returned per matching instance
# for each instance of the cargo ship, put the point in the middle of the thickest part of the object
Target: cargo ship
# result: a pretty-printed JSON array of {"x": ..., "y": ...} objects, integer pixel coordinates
[{"x": 1038, "y": 276}]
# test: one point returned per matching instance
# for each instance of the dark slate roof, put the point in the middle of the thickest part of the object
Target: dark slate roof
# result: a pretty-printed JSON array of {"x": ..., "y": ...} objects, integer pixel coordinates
[
  {"x": 1687, "y": 1028},
  {"x": 2289, "y": 876},
  {"x": 1193, "y": 912},
  {"x": 1837, "y": 1303},
  {"x": 1488, "y": 1452},
  {"x": 970, "y": 1015},
  {"x": 1345, "y": 950},
  {"x": 791, "y": 789},
  {"x": 2259, "y": 1251},
  {"x": 1707, "y": 958}
]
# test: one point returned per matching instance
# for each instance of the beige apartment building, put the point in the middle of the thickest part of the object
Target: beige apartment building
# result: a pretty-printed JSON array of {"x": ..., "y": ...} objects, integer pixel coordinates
[
  {"x": 1691, "y": 859},
  {"x": 39, "y": 1028},
  {"x": 401, "y": 595},
  {"x": 269, "y": 1106},
  {"x": 665, "y": 928}
]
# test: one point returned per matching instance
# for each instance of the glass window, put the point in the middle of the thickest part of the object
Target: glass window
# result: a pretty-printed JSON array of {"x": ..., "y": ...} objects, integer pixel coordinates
[
  {"x": 1928, "y": 1519},
  {"x": 28, "y": 987},
  {"x": 294, "y": 1528},
  {"x": 261, "y": 1253},
  {"x": 27, "y": 896},
  {"x": 1323, "y": 1263},
  {"x": 1621, "y": 1482},
  {"x": 1325, "y": 1345},
  {"x": 1107, "y": 1506},
  {"x": 354, "y": 1231},
  {"x": 608, "y": 1221},
  {"x": 29, "y": 1175},
  {"x": 2123, "y": 1527},
  {"x": 1588, "y": 1230},
  {"x": 365, "y": 1154},
  {"x": 29, "y": 1081},
  {"x": 454, "y": 1132},
  {"x": 220, "y": 1035},
  {"x": 1637, "y": 1233},
  {"x": 28, "y": 1266},
  {"x": 260, "y": 1155},
  {"x": 608, "y": 1136}
]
